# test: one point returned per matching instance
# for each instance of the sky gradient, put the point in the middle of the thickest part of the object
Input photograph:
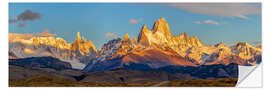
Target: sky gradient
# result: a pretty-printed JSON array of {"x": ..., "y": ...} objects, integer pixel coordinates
[{"x": 100, "y": 22}]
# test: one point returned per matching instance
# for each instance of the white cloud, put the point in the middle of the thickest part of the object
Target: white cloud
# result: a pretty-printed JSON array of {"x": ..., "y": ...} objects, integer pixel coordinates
[
  {"x": 211, "y": 22},
  {"x": 112, "y": 35},
  {"x": 26, "y": 36},
  {"x": 220, "y": 9},
  {"x": 207, "y": 22},
  {"x": 198, "y": 22},
  {"x": 46, "y": 33},
  {"x": 12, "y": 36},
  {"x": 134, "y": 21}
]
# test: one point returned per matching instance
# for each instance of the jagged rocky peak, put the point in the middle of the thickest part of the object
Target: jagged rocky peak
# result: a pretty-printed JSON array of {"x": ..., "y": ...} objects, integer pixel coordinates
[
  {"x": 143, "y": 36},
  {"x": 160, "y": 33},
  {"x": 195, "y": 41},
  {"x": 76, "y": 42},
  {"x": 184, "y": 36},
  {"x": 112, "y": 42},
  {"x": 144, "y": 28},
  {"x": 78, "y": 36},
  {"x": 134, "y": 40},
  {"x": 221, "y": 44},
  {"x": 223, "y": 51},
  {"x": 110, "y": 47},
  {"x": 181, "y": 38},
  {"x": 126, "y": 37},
  {"x": 91, "y": 44},
  {"x": 241, "y": 44},
  {"x": 245, "y": 51},
  {"x": 161, "y": 26},
  {"x": 82, "y": 47},
  {"x": 184, "y": 39}
]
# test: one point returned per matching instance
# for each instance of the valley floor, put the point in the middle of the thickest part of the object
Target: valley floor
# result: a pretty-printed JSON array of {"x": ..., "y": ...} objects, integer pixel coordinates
[{"x": 46, "y": 81}]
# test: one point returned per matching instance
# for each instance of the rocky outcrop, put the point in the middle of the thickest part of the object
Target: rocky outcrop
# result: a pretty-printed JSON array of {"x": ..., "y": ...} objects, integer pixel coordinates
[
  {"x": 160, "y": 34},
  {"x": 143, "y": 36},
  {"x": 126, "y": 37},
  {"x": 245, "y": 51},
  {"x": 81, "y": 46},
  {"x": 134, "y": 40}
]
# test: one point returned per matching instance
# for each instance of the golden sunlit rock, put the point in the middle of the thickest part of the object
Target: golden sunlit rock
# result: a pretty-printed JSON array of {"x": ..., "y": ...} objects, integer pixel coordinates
[
  {"x": 126, "y": 37},
  {"x": 81, "y": 46},
  {"x": 29, "y": 51},
  {"x": 134, "y": 40},
  {"x": 143, "y": 36}
]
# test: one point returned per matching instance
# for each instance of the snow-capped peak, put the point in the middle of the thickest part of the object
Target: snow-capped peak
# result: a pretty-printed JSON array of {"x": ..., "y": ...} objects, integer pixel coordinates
[{"x": 78, "y": 53}]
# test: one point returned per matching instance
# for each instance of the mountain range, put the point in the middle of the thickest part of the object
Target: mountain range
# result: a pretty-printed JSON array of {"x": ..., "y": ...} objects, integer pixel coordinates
[
  {"x": 77, "y": 53},
  {"x": 155, "y": 49}
]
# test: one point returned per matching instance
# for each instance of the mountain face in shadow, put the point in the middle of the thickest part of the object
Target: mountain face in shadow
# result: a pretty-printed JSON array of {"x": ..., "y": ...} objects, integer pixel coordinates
[
  {"x": 203, "y": 71},
  {"x": 46, "y": 66},
  {"x": 40, "y": 62},
  {"x": 49, "y": 66}
]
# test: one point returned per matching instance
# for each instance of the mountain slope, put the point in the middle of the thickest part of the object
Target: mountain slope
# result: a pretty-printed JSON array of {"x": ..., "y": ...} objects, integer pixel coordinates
[{"x": 40, "y": 62}]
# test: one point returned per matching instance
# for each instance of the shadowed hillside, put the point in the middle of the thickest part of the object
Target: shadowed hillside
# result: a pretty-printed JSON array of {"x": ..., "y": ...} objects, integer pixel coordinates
[{"x": 49, "y": 81}]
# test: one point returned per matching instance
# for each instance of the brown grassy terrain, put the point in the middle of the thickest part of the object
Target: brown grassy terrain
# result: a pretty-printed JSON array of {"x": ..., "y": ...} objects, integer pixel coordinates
[
  {"x": 224, "y": 82},
  {"x": 47, "y": 81}
]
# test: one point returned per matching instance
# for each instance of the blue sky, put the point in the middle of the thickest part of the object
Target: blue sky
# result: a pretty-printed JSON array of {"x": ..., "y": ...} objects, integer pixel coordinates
[{"x": 239, "y": 22}]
